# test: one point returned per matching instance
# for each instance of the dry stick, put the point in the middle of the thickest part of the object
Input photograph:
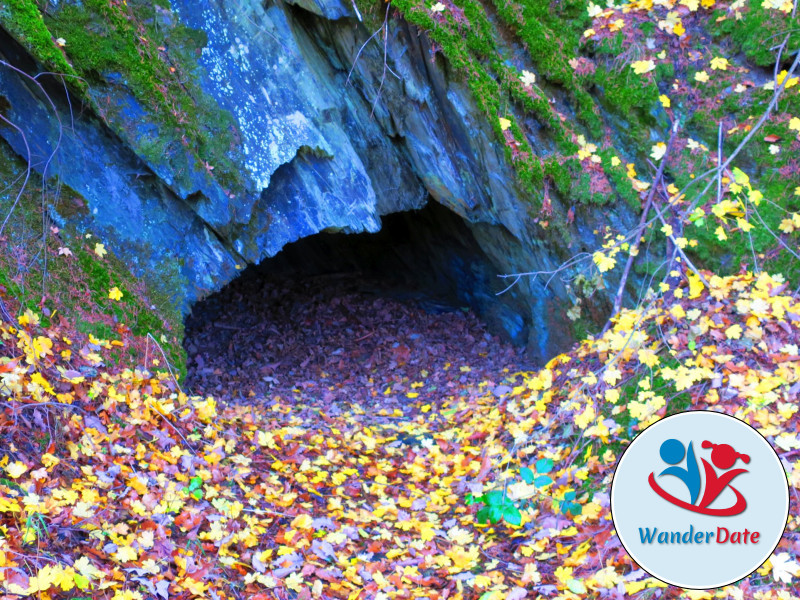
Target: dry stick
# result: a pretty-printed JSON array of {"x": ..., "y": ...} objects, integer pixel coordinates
[
  {"x": 680, "y": 251},
  {"x": 385, "y": 53},
  {"x": 639, "y": 228},
  {"x": 27, "y": 172},
  {"x": 164, "y": 356},
  {"x": 166, "y": 420},
  {"x": 360, "y": 50}
]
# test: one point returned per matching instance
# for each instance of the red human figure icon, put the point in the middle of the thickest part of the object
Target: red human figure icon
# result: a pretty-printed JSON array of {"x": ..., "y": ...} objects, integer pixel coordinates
[{"x": 724, "y": 457}]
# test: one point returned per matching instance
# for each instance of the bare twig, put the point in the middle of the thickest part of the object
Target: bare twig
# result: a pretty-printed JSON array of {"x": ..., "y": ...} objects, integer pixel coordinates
[
  {"x": 164, "y": 356},
  {"x": 640, "y": 228}
]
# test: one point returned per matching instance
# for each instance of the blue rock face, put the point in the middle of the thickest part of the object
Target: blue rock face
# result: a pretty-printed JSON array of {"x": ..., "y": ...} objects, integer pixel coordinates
[{"x": 326, "y": 143}]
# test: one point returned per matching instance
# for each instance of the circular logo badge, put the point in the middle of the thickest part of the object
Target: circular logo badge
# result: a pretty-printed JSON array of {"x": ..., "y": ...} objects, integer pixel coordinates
[{"x": 699, "y": 499}]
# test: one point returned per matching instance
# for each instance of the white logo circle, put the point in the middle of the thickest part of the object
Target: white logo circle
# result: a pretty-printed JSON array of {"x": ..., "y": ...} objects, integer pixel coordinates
[{"x": 699, "y": 499}]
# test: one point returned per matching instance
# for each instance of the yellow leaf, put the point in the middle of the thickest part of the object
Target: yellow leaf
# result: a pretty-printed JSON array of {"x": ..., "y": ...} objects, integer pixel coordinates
[
  {"x": 794, "y": 124},
  {"x": 734, "y": 332},
  {"x": 658, "y": 151},
  {"x": 612, "y": 375},
  {"x": 640, "y": 67},
  {"x": 679, "y": 29},
  {"x": 563, "y": 574},
  {"x": 302, "y": 521},
  {"x": 16, "y": 469},
  {"x": 294, "y": 582},
  {"x": 39, "y": 380},
  {"x": 677, "y": 311},
  {"x": 719, "y": 63},
  {"x": 206, "y": 410},
  {"x": 720, "y": 233},
  {"x": 792, "y": 80},
  {"x": 586, "y": 417},
  {"x": 648, "y": 357},
  {"x": 527, "y": 78},
  {"x": 125, "y": 554},
  {"x": 504, "y": 123},
  {"x": 100, "y": 250},
  {"x": 460, "y": 536},
  {"x": 114, "y": 293},
  {"x": 29, "y": 318},
  {"x": 786, "y": 226},
  {"x": 701, "y": 76},
  {"x": 667, "y": 230},
  {"x": 665, "y": 101},
  {"x": 42, "y": 346},
  {"x": 604, "y": 263}
]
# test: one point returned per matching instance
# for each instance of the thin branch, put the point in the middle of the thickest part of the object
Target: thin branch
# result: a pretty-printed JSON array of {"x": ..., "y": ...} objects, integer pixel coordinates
[{"x": 640, "y": 228}]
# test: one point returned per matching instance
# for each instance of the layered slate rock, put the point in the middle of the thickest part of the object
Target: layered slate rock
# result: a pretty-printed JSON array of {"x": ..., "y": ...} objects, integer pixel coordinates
[{"x": 305, "y": 122}]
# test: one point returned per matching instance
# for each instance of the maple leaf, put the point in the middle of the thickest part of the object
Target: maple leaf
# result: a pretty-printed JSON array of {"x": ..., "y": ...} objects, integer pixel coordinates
[
  {"x": 587, "y": 416},
  {"x": 719, "y": 63},
  {"x": 125, "y": 554},
  {"x": 303, "y": 521},
  {"x": 206, "y": 409},
  {"x": 701, "y": 76},
  {"x": 100, "y": 250},
  {"x": 527, "y": 78},
  {"x": 114, "y": 293},
  {"x": 29, "y": 318},
  {"x": 16, "y": 469},
  {"x": 604, "y": 263},
  {"x": 784, "y": 569},
  {"x": 64, "y": 251},
  {"x": 640, "y": 67},
  {"x": 734, "y": 332},
  {"x": 460, "y": 536},
  {"x": 504, "y": 123},
  {"x": 658, "y": 151},
  {"x": 87, "y": 569},
  {"x": 665, "y": 101},
  {"x": 294, "y": 582},
  {"x": 438, "y": 7}
]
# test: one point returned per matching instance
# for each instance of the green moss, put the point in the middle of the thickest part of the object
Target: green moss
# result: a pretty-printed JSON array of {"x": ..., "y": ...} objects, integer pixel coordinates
[
  {"x": 76, "y": 284},
  {"x": 627, "y": 91},
  {"x": 559, "y": 175},
  {"x": 618, "y": 177},
  {"x": 23, "y": 20},
  {"x": 111, "y": 43},
  {"x": 757, "y": 33}
]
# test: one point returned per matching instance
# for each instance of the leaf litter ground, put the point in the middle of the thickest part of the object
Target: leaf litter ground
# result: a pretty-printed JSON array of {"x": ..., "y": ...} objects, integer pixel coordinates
[{"x": 117, "y": 484}]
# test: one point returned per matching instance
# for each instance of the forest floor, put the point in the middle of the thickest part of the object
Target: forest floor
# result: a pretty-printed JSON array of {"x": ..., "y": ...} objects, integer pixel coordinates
[
  {"x": 343, "y": 338},
  {"x": 117, "y": 484}
]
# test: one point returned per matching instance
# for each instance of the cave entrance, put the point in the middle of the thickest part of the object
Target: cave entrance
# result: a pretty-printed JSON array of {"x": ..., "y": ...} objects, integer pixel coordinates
[{"x": 395, "y": 314}]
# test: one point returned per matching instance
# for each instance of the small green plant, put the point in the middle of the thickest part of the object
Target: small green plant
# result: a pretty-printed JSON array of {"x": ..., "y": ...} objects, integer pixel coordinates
[
  {"x": 498, "y": 507},
  {"x": 195, "y": 488},
  {"x": 35, "y": 528}
]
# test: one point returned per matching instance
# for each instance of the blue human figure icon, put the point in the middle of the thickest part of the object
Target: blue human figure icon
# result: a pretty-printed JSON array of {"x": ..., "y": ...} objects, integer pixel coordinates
[{"x": 672, "y": 453}]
